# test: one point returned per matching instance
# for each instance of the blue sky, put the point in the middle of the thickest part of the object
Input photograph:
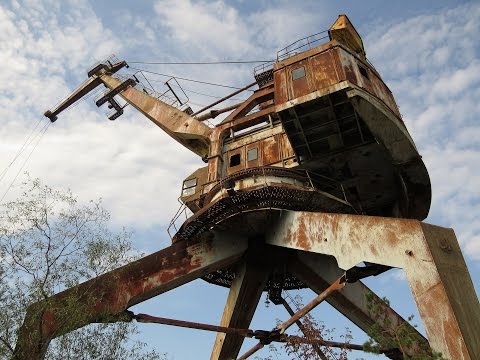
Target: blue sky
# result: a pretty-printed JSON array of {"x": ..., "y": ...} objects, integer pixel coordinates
[{"x": 428, "y": 53}]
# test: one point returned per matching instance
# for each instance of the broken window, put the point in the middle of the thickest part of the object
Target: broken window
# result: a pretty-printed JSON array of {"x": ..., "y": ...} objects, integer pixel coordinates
[
  {"x": 189, "y": 187},
  {"x": 363, "y": 71},
  {"x": 234, "y": 160}
]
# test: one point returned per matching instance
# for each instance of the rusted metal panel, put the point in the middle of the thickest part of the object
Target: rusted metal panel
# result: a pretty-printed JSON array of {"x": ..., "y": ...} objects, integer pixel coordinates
[
  {"x": 383, "y": 92},
  {"x": 436, "y": 280},
  {"x": 362, "y": 74},
  {"x": 305, "y": 54},
  {"x": 271, "y": 153},
  {"x": 349, "y": 66},
  {"x": 312, "y": 96},
  {"x": 324, "y": 72},
  {"x": 338, "y": 64},
  {"x": 243, "y": 298},
  {"x": 286, "y": 150},
  {"x": 106, "y": 297},
  {"x": 280, "y": 81},
  {"x": 299, "y": 79}
]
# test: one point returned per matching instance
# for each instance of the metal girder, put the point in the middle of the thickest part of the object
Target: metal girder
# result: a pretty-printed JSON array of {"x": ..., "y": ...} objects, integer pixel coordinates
[
  {"x": 243, "y": 298},
  {"x": 430, "y": 256},
  {"x": 107, "y": 297},
  {"x": 188, "y": 131}
]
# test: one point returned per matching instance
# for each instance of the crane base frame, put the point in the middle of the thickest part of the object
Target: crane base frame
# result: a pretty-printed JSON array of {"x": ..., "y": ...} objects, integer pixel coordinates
[{"x": 317, "y": 246}]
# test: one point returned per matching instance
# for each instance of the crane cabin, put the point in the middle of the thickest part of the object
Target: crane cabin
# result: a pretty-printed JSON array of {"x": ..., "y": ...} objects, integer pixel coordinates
[{"x": 320, "y": 132}]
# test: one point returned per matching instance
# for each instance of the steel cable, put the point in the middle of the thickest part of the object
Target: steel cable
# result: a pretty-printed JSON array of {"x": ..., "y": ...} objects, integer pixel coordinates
[
  {"x": 186, "y": 79},
  {"x": 41, "y": 133},
  {"x": 201, "y": 62},
  {"x": 27, "y": 140}
]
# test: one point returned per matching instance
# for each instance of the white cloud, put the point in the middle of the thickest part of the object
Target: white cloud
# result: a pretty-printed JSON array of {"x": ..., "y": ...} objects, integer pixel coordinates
[
  {"x": 206, "y": 28},
  {"x": 44, "y": 45}
]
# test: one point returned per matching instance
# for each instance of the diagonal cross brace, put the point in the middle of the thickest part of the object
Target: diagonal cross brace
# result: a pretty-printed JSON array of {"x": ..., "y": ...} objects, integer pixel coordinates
[{"x": 107, "y": 297}]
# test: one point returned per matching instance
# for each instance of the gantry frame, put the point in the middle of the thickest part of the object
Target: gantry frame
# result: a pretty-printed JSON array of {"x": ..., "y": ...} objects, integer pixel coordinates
[{"x": 314, "y": 244}]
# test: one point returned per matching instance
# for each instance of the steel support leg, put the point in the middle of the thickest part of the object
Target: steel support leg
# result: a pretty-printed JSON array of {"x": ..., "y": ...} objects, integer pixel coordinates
[
  {"x": 242, "y": 301},
  {"x": 105, "y": 298},
  {"x": 318, "y": 271},
  {"x": 430, "y": 256}
]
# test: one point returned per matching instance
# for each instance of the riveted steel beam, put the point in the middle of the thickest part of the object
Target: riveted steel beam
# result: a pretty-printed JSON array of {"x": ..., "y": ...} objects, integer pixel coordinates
[
  {"x": 107, "y": 297},
  {"x": 430, "y": 256}
]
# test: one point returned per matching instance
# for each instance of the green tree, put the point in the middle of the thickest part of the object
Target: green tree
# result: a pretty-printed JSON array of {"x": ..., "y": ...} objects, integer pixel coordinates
[
  {"x": 310, "y": 340},
  {"x": 402, "y": 337},
  {"x": 49, "y": 242}
]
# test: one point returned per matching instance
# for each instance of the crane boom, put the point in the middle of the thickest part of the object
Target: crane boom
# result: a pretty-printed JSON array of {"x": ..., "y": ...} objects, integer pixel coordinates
[{"x": 185, "y": 129}]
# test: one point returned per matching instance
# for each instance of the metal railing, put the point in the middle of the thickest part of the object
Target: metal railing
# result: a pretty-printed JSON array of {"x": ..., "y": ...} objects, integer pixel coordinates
[
  {"x": 182, "y": 214},
  {"x": 264, "y": 67},
  {"x": 168, "y": 97},
  {"x": 301, "y": 45}
]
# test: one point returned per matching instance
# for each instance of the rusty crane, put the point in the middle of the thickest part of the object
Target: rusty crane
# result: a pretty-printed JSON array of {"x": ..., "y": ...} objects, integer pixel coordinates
[{"x": 311, "y": 175}]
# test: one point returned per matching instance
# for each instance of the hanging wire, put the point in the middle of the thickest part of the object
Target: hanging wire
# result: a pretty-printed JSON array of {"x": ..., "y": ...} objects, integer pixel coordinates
[
  {"x": 20, "y": 151},
  {"x": 211, "y": 96},
  {"x": 86, "y": 97},
  {"x": 186, "y": 79},
  {"x": 200, "y": 62},
  {"x": 31, "y": 138},
  {"x": 188, "y": 90},
  {"x": 41, "y": 133}
]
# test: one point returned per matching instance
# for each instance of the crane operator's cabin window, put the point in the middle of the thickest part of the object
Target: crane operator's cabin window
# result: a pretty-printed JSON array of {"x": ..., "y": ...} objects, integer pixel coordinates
[
  {"x": 189, "y": 187},
  {"x": 298, "y": 73},
  {"x": 252, "y": 154},
  {"x": 363, "y": 71},
  {"x": 234, "y": 160}
]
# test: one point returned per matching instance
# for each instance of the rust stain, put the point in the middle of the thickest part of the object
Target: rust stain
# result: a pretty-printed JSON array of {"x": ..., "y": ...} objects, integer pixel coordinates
[
  {"x": 441, "y": 324},
  {"x": 300, "y": 86},
  {"x": 374, "y": 250},
  {"x": 350, "y": 73},
  {"x": 280, "y": 81},
  {"x": 323, "y": 70},
  {"x": 303, "y": 235},
  {"x": 270, "y": 151}
]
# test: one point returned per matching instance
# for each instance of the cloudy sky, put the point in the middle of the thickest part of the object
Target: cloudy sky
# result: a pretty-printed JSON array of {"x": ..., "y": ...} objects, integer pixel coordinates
[{"x": 428, "y": 53}]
